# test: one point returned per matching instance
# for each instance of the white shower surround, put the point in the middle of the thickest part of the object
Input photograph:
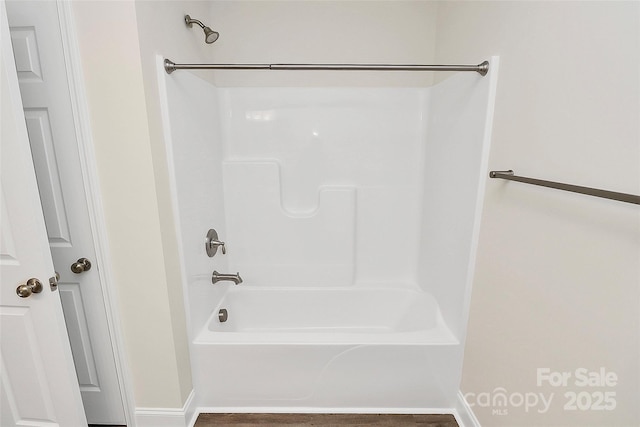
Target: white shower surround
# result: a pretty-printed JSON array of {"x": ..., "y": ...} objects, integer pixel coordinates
[{"x": 352, "y": 215}]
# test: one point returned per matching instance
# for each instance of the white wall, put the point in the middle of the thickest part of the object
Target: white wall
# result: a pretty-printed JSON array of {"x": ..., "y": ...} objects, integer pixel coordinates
[
  {"x": 119, "y": 71},
  {"x": 557, "y": 276},
  {"x": 322, "y": 32}
]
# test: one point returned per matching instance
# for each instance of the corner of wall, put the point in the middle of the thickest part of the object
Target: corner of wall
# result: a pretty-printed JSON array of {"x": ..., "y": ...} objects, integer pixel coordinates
[
  {"x": 134, "y": 202},
  {"x": 185, "y": 416},
  {"x": 166, "y": 34},
  {"x": 463, "y": 412}
]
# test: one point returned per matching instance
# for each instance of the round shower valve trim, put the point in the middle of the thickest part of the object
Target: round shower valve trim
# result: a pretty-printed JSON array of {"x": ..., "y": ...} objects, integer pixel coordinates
[{"x": 211, "y": 243}]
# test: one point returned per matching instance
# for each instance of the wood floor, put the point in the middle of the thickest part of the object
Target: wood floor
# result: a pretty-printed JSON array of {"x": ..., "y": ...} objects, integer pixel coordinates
[{"x": 327, "y": 420}]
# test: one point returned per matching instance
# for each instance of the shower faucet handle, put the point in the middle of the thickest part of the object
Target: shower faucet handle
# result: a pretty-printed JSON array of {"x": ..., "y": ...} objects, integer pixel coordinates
[
  {"x": 211, "y": 243},
  {"x": 217, "y": 243}
]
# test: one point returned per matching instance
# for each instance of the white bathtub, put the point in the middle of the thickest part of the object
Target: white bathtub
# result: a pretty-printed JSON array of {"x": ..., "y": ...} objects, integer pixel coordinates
[
  {"x": 327, "y": 316},
  {"x": 328, "y": 349}
]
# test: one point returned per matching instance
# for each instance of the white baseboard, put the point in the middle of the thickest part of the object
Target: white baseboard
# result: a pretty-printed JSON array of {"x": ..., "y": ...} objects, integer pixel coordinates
[
  {"x": 187, "y": 415},
  {"x": 168, "y": 417},
  {"x": 317, "y": 410},
  {"x": 464, "y": 414}
]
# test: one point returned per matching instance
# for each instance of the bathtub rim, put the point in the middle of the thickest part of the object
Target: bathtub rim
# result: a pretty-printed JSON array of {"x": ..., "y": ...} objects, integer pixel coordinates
[{"x": 438, "y": 335}]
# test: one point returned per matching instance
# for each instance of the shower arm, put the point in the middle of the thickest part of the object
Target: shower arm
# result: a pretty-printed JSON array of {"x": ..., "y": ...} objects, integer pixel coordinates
[
  {"x": 190, "y": 21},
  {"x": 482, "y": 68}
]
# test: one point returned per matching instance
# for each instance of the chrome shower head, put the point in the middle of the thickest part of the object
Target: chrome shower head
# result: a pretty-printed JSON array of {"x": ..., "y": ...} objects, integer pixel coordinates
[{"x": 209, "y": 35}]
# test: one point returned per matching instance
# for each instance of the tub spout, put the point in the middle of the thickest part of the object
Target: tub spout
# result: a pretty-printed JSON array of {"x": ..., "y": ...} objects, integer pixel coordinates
[{"x": 218, "y": 277}]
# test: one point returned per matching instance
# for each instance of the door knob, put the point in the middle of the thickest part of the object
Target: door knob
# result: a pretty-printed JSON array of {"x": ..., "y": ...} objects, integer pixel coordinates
[
  {"x": 81, "y": 265},
  {"x": 33, "y": 286}
]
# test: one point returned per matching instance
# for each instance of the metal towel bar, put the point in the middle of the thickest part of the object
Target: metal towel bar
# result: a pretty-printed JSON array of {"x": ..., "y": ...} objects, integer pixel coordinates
[{"x": 622, "y": 197}]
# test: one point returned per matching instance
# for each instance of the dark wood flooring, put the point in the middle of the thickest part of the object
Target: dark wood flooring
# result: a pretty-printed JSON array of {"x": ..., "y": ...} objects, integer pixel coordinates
[{"x": 326, "y": 420}]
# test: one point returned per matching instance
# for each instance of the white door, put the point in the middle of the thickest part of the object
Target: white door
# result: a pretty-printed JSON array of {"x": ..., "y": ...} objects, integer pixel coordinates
[
  {"x": 42, "y": 75},
  {"x": 38, "y": 386}
]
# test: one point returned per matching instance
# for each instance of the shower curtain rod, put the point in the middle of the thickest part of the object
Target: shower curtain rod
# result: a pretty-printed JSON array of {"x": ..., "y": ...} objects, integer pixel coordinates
[{"x": 481, "y": 68}]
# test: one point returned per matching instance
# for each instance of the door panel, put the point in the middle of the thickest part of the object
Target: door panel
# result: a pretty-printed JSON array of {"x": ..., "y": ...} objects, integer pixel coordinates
[
  {"x": 46, "y": 164},
  {"x": 42, "y": 74},
  {"x": 8, "y": 255},
  {"x": 37, "y": 381},
  {"x": 78, "y": 330},
  {"x": 31, "y": 394},
  {"x": 25, "y": 50}
]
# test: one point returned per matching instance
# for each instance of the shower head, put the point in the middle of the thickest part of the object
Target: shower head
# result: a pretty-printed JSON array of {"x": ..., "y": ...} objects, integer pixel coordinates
[{"x": 209, "y": 35}]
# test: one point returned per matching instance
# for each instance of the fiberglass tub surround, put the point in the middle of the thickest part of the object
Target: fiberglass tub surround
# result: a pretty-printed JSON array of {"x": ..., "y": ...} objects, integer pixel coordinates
[
  {"x": 352, "y": 216},
  {"x": 332, "y": 315}
]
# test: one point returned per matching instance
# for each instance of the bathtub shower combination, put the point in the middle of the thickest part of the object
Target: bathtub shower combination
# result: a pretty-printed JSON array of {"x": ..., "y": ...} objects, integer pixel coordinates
[{"x": 346, "y": 223}]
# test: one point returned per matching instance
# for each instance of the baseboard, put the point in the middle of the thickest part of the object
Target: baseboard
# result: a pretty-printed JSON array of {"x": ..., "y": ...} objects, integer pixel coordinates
[
  {"x": 187, "y": 415},
  {"x": 168, "y": 417},
  {"x": 464, "y": 414},
  {"x": 316, "y": 410}
]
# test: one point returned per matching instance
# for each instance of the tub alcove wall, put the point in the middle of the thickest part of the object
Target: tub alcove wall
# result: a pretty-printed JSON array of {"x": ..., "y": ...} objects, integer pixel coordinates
[{"x": 352, "y": 215}]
